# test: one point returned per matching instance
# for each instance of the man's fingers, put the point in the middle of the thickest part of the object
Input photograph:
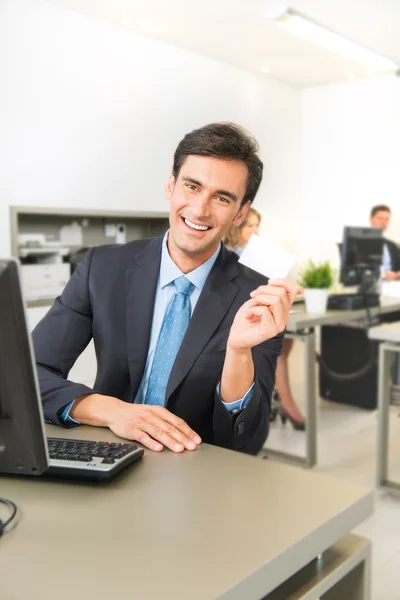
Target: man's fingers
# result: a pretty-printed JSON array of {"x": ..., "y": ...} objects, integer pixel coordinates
[
  {"x": 171, "y": 431},
  {"x": 178, "y": 423},
  {"x": 154, "y": 427},
  {"x": 160, "y": 435},
  {"x": 290, "y": 289},
  {"x": 273, "y": 297},
  {"x": 265, "y": 304},
  {"x": 143, "y": 438},
  {"x": 268, "y": 290},
  {"x": 270, "y": 316}
]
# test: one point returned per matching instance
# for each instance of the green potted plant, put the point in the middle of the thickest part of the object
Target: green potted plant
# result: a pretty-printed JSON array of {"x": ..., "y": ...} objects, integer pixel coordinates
[{"x": 317, "y": 279}]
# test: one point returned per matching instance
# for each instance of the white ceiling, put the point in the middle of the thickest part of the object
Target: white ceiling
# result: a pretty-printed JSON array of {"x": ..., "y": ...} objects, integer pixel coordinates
[{"x": 237, "y": 32}]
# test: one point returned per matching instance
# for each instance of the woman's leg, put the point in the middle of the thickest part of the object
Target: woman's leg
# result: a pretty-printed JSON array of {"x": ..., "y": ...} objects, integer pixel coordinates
[{"x": 282, "y": 383}]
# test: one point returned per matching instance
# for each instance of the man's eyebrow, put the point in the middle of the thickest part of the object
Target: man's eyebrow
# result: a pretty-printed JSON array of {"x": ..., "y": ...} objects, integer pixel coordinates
[
  {"x": 228, "y": 194},
  {"x": 222, "y": 192},
  {"x": 191, "y": 180}
]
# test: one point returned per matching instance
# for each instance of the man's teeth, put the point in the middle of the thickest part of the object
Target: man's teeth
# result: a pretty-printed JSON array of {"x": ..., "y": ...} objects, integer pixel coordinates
[{"x": 194, "y": 226}]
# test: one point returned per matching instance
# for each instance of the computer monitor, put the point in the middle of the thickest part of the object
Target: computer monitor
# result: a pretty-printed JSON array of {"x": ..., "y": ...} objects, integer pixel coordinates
[
  {"x": 23, "y": 448},
  {"x": 361, "y": 257}
]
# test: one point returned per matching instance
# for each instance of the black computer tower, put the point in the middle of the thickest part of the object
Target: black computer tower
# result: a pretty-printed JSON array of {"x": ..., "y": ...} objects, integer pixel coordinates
[{"x": 348, "y": 371}]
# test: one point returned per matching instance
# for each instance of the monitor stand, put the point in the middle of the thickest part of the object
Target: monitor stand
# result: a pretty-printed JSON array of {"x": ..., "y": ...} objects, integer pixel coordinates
[
  {"x": 352, "y": 301},
  {"x": 367, "y": 295}
]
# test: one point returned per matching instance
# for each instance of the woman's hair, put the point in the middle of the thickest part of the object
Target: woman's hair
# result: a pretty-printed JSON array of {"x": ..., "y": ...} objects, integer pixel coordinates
[{"x": 234, "y": 237}]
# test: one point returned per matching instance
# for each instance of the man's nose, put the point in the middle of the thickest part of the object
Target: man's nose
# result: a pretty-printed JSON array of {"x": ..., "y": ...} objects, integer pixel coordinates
[{"x": 200, "y": 206}]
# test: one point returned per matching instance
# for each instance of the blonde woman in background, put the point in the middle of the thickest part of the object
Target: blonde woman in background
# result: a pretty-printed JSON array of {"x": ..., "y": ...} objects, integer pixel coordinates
[{"x": 237, "y": 239}]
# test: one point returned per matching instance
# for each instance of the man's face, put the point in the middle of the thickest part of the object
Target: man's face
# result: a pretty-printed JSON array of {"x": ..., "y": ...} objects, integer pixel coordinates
[
  {"x": 205, "y": 201},
  {"x": 380, "y": 219}
]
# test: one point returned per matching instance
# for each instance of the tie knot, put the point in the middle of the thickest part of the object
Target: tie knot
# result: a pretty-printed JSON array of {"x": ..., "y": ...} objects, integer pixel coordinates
[{"x": 183, "y": 285}]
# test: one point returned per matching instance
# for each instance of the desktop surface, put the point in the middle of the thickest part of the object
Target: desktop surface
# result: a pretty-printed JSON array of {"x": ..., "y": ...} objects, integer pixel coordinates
[
  {"x": 386, "y": 332},
  {"x": 204, "y": 525},
  {"x": 300, "y": 319}
]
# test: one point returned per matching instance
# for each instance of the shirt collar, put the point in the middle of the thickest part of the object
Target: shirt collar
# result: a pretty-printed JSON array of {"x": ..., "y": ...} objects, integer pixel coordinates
[{"x": 169, "y": 271}]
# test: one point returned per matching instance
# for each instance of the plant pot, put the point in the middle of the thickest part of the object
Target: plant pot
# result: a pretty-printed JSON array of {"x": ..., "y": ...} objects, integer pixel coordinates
[{"x": 316, "y": 300}]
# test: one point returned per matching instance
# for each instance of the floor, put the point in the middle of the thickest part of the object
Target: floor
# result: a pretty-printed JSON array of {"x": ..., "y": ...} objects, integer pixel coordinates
[{"x": 346, "y": 449}]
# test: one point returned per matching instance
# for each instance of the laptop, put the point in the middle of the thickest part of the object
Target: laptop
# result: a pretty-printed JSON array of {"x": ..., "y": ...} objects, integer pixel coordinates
[{"x": 24, "y": 448}]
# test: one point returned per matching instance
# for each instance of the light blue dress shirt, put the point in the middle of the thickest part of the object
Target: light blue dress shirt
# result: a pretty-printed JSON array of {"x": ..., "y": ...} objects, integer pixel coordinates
[
  {"x": 386, "y": 260},
  {"x": 165, "y": 292}
]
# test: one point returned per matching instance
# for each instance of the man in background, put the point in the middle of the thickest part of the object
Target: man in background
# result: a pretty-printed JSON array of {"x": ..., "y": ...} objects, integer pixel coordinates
[{"x": 380, "y": 217}]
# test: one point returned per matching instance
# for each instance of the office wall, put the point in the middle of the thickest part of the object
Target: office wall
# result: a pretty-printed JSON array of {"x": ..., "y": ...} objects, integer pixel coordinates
[
  {"x": 350, "y": 149},
  {"x": 90, "y": 115}
]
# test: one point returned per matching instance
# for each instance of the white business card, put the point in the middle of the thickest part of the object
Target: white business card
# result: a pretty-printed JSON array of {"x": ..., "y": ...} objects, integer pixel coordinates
[{"x": 267, "y": 258}]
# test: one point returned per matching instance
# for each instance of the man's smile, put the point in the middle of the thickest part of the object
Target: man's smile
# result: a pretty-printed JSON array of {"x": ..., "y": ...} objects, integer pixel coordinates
[{"x": 195, "y": 226}]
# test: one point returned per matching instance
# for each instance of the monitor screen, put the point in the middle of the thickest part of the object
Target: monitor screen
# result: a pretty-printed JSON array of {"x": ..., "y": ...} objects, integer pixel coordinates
[
  {"x": 361, "y": 253},
  {"x": 22, "y": 442}
]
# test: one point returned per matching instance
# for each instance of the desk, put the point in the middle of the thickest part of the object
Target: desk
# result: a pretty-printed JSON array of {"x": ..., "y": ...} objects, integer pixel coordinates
[
  {"x": 204, "y": 525},
  {"x": 301, "y": 326},
  {"x": 389, "y": 335}
]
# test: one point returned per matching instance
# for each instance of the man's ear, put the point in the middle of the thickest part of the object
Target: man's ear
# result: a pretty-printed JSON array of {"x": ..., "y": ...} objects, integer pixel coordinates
[
  {"x": 169, "y": 188},
  {"x": 241, "y": 215}
]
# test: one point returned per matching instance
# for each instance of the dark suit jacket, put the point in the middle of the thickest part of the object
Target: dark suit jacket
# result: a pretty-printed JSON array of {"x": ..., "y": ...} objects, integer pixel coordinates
[
  {"x": 394, "y": 252},
  {"x": 110, "y": 297}
]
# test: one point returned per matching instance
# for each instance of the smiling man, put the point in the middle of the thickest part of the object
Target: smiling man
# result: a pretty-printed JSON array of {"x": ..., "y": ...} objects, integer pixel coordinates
[{"x": 186, "y": 338}]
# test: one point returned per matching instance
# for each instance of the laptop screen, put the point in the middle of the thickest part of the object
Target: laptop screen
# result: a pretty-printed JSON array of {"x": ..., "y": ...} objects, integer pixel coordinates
[{"x": 23, "y": 448}]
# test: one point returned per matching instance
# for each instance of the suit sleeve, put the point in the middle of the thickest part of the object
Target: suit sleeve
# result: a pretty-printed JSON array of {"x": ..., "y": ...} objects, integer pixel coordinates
[
  {"x": 397, "y": 250},
  {"x": 394, "y": 252},
  {"x": 248, "y": 430},
  {"x": 59, "y": 339}
]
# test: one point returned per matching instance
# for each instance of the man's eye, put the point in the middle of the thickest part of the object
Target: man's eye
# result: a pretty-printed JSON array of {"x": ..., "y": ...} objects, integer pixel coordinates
[
  {"x": 191, "y": 186},
  {"x": 224, "y": 200}
]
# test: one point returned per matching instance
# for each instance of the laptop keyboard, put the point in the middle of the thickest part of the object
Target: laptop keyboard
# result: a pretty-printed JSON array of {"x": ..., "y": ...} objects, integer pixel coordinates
[
  {"x": 65, "y": 449},
  {"x": 90, "y": 460}
]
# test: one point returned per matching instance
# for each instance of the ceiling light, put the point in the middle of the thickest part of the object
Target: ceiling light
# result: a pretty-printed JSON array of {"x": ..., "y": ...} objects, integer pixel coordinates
[
  {"x": 265, "y": 69},
  {"x": 318, "y": 34},
  {"x": 127, "y": 20},
  {"x": 350, "y": 75},
  {"x": 275, "y": 9}
]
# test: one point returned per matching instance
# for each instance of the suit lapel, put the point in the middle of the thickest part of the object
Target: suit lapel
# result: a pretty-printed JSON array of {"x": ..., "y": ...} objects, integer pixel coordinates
[
  {"x": 141, "y": 284},
  {"x": 212, "y": 306}
]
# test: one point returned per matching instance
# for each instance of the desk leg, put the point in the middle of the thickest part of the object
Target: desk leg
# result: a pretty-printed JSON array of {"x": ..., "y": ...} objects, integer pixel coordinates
[
  {"x": 386, "y": 351},
  {"x": 310, "y": 395},
  {"x": 383, "y": 415},
  {"x": 355, "y": 585},
  {"x": 310, "y": 398},
  {"x": 342, "y": 573}
]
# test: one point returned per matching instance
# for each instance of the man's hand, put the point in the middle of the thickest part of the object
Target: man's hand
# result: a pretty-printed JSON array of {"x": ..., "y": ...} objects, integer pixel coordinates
[
  {"x": 264, "y": 316},
  {"x": 152, "y": 426}
]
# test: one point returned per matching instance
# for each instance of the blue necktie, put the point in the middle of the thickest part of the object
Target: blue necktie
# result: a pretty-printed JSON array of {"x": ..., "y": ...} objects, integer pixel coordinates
[{"x": 171, "y": 335}]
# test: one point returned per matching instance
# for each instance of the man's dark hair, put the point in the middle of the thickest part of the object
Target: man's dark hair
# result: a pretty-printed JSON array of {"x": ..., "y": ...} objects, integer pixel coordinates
[
  {"x": 379, "y": 208},
  {"x": 227, "y": 141}
]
